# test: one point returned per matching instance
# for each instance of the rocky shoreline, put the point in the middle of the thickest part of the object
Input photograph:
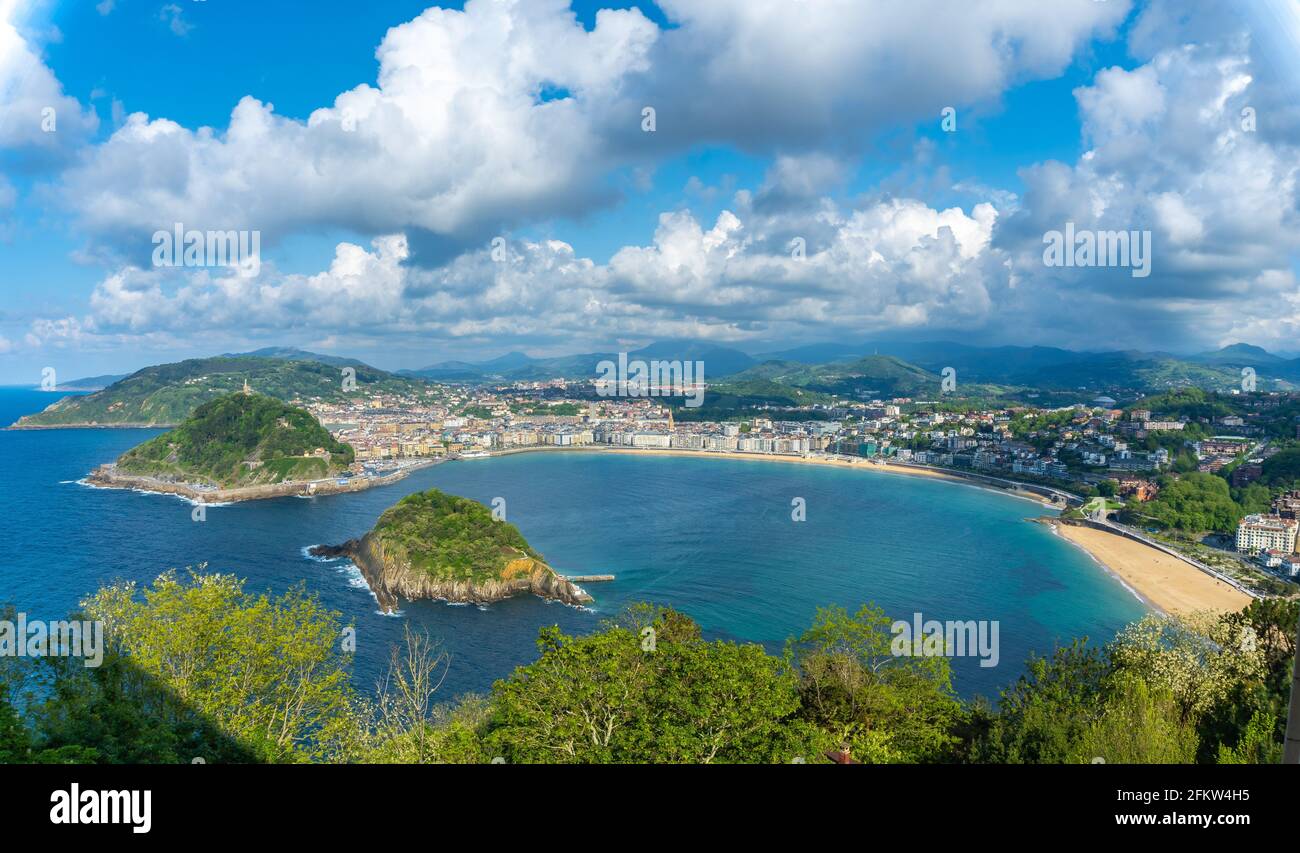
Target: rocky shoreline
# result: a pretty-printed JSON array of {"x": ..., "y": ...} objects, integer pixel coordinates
[
  {"x": 390, "y": 579},
  {"x": 108, "y": 477},
  {"x": 20, "y": 425}
]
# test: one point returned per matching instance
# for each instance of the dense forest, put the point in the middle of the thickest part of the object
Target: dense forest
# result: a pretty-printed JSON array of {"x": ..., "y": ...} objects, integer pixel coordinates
[
  {"x": 166, "y": 394},
  {"x": 196, "y": 667},
  {"x": 241, "y": 439},
  {"x": 450, "y": 537}
]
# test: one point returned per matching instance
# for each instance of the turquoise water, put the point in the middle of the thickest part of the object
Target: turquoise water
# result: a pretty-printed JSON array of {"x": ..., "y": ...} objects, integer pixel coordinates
[{"x": 712, "y": 537}]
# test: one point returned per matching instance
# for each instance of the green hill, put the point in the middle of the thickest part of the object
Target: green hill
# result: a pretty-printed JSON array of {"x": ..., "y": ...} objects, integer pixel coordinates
[
  {"x": 241, "y": 440},
  {"x": 873, "y": 376},
  {"x": 166, "y": 394},
  {"x": 435, "y": 545},
  {"x": 451, "y": 538}
]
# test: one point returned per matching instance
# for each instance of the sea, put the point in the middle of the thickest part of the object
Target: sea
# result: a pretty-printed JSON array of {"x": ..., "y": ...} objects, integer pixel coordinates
[{"x": 748, "y": 549}]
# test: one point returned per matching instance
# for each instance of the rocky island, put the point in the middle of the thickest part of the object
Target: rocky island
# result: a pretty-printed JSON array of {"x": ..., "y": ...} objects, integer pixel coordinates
[
  {"x": 439, "y": 546},
  {"x": 241, "y": 446}
]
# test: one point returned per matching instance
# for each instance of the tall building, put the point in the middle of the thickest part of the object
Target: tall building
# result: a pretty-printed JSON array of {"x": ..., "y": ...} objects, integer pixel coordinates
[{"x": 1257, "y": 533}]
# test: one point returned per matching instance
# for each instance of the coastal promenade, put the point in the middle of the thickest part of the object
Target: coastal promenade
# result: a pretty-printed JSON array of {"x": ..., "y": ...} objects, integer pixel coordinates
[{"x": 1129, "y": 533}]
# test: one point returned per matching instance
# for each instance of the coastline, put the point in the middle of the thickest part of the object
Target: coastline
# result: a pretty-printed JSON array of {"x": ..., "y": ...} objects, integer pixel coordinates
[
  {"x": 106, "y": 477},
  {"x": 390, "y": 581},
  {"x": 907, "y": 469},
  {"x": 1164, "y": 582},
  {"x": 1160, "y": 581},
  {"x": 19, "y": 426}
]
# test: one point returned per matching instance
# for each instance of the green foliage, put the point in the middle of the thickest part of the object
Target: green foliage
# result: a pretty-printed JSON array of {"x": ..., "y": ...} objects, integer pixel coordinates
[
  {"x": 874, "y": 376},
  {"x": 1138, "y": 726},
  {"x": 410, "y": 728},
  {"x": 15, "y": 740},
  {"x": 1046, "y": 713},
  {"x": 614, "y": 697},
  {"x": 238, "y": 440},
  {"x": 1282, "y": 469},
  {"x": 1193, "y": 502},
  {"x": 200, "y": 668},
  {"x": 1198, "y": 660},
  {"x": 550, "y": 410},
  {"x": 1254, "y": 498},
  {"x": 168, "y": 393},
  {"x": 738, "y": 394},
  {"x": 268, "y": 672},
  {"x": 450, "y": 537},
  {"x": 1258, "y": 744},
  {"x": 1192, "y": 403},
  {"x": 886, "y": 708}
]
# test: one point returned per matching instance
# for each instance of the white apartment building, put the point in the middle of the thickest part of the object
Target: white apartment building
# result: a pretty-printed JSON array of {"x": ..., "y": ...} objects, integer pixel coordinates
[{"x": 1257, "y": 533}]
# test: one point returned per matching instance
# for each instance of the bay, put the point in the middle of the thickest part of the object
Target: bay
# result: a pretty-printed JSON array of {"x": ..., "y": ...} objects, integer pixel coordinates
[{"x": 714, "y": 538}]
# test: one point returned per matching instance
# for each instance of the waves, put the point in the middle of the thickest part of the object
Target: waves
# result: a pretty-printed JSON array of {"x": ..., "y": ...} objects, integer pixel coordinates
[
  {"x": 349, "y": 572},
  {"x": 191, "y": 501}
]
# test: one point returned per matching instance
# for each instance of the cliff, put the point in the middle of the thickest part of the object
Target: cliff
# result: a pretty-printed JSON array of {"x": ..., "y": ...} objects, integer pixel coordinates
[{"x": 436, "y": 546}]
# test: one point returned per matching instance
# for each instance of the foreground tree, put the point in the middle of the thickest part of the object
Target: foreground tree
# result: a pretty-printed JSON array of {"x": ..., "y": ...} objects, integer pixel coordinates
[
  {"x": 268, "y": 672},
  {"x": 884, "y": 707},
  {"x": 656, "y": 694},
  {"x": 1044, "y": 716},
  {"x": 1138, "y": 726}
]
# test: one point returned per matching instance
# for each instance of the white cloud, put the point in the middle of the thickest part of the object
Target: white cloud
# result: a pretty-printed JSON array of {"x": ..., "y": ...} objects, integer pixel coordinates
[
  {"x": 511, "y": 112},
  {"x": 887, "y": 264},
  {"x": 39, "y": 124},
  {"x": 760, "y": 73},
  {"x": 455, "y": 138},
  {"x": 174, "y": 17},
  {"x": 1167, "y": 152}
]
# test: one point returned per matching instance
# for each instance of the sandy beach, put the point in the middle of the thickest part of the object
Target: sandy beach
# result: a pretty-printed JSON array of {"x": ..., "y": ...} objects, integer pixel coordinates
[
  {"x": 1166, "y": 582},
  {"x": 845, "y": 462}
]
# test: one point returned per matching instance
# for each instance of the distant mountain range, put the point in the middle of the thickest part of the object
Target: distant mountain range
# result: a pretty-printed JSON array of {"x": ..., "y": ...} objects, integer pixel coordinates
[
  {"x": 1047, "y": 368},
  {"x": 91, "y": 383},
  {"x": 165, "y": 394},
  {"x": 718, "y": 361}
]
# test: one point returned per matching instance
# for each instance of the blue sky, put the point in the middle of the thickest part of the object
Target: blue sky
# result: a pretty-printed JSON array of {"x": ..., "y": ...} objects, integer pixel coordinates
[{"x": 522, "y": 122}]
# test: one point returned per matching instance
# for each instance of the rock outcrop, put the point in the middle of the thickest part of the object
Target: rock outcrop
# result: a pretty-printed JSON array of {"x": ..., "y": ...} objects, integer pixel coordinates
[{"x": 391, "y": 578}]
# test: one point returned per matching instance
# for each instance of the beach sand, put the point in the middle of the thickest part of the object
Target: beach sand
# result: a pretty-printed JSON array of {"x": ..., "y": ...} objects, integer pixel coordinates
[
  {"x": 1166, "y": 582},
  {"x": 856, "y": 465},
  {"x": 843, "y": 462}
]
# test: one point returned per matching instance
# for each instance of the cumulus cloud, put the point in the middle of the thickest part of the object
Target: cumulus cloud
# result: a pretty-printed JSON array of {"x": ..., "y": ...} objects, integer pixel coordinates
[
  {"x": 478, "y": 117},
  {"x": 40, "y": 126},
  {"x": 511, "y": 112},
  {"x": 1167, "y": 151},
  {"x": 767, "y": 73},
  {"x": 886, "y": 264}
]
